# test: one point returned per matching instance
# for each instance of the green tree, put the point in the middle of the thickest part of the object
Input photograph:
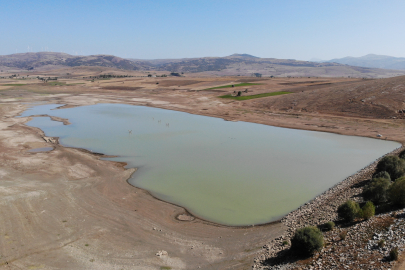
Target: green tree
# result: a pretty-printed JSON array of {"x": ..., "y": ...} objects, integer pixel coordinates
[
  {"x": 349, "y": 211},
  {"x": 377, "y": 190},
  {"x": 402, "y": 154},
  {"x": 392, "y": 165},
  {"x": 396, "y": 192},
  {"x": 330, "y": 225},
  {"x": 368, "y": 210},
  {"x": 307, "y": 240},
  {"x": 382, "y": 174}
]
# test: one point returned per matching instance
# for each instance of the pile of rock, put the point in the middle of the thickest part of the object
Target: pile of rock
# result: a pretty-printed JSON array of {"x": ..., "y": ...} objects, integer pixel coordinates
[{"x": 366, "y": 246}]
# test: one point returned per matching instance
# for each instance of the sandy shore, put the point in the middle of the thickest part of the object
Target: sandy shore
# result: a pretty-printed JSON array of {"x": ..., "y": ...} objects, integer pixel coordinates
[{"x": 68, "y": 209}]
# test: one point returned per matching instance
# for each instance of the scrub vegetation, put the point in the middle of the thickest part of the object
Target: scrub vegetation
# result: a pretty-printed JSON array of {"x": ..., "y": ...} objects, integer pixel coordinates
[
  {"x": 307, "y": 240},
  {"x": 13, "y": 84},
  {"x": 393, "y": 165},
  {"x": 349, "y": 211}
]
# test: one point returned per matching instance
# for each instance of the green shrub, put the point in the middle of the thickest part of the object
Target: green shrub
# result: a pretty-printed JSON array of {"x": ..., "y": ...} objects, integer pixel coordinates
[
  {"x": 393, "y": 165},
  {"x": 307, "y": 240},
  {"x": 368, "y": 210},
  {"x": 377, "y": 190},
  {"x": 349, "y": 211},
  {"x": 330, "y": 225},
  {"x": 381, "y": 243},
  {"x": 396, "y": 192},
  {"x": 285, "y": 243},
  {"x": 382, "y": 174},
  {"x": 394, "y": 253},
  {"x": 402, "y": 154}
]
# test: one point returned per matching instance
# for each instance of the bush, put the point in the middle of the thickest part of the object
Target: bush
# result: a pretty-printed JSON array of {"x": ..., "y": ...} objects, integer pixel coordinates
[
  {"x": 393, "y": 165},
  {"x": 349, "y": 211},
  {"x": 382, "y": 174},
  {"x": 307, "y": 240},
  {"x": 285, "y": 243},
  {"x": 377, "y": 190},
  {"x": 394, "y": 253},
  {"x": 330, "y": 225},
  {"x": 368, "y": 210},
  {"x": 402, "y": 154},
  {"x": 396, "y": 192},
  {"x": 381, "y": 243}
]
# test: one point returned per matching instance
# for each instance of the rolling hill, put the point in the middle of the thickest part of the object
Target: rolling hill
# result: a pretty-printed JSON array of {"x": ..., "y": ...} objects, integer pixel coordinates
[
  {"x": 40, "y": 59},
  {"x": 233, "y": 65},
  {"x": 372, "y": 61}
]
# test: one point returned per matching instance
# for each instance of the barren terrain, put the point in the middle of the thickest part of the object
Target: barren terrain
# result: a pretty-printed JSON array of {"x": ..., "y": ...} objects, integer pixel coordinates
[{"x": 68, "y": 209}]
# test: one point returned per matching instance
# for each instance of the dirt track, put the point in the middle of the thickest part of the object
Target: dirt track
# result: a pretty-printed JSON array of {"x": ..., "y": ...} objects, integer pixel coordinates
[{"x": 68, "y": 209}]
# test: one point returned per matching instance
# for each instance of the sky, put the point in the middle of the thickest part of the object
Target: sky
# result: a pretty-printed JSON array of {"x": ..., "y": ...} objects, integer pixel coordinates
[{"x": 158, "y": 29}]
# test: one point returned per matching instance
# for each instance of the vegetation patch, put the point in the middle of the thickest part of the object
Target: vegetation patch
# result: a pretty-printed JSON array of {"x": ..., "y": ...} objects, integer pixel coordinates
[
  {"x": 233, "y": 85},
  {"x": 307, "y": 240},
  {"x": 56, "y": 83},
  {"x": 14, "y": 84},
  {"x": 256, "y": 96},
  {"x": 349, "y": 211}
]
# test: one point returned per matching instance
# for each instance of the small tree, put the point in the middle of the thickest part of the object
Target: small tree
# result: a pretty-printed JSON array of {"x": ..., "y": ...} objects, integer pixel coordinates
[
  {"x": 382, "y": 174},
  {"x": 349, "y": 211},
  {"x": 368, "y": 210},
  {"x": 393, "y": 165},
  {"x": 396, "y": 192},
  {"x": 377, "y": 190},
  {"x": 394, "y": 254},
  {"x": 402, "y": 154},
  {"x": 330, "y": 225},
  {"x": 307, "y": 240}
]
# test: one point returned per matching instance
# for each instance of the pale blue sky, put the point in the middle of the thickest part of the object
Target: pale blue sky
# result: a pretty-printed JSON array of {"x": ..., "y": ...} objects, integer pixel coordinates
[{"x": 151, "y": 29}]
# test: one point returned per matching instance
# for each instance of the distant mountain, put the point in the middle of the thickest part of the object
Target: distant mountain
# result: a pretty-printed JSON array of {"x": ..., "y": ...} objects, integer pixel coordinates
[
  {"x": 373, "y": 61},
  {"x": 314, "y": 59},
  {"x": 243, "y": 55},
  {"x": 35, "y": 60},
  {"x": 232, "y": 65},
  {"x": 215, "y": 64}
]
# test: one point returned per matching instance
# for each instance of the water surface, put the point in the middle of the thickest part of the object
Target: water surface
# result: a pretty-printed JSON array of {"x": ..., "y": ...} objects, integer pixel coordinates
[{"x": 233, "y": 173}]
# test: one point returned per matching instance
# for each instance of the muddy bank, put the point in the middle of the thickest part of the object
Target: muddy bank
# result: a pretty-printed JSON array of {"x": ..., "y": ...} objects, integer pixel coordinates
[{"x": 69, "y": 209}]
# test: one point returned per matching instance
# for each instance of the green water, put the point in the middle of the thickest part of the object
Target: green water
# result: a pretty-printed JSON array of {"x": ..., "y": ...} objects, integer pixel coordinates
[{"x": 232, "y": 173}]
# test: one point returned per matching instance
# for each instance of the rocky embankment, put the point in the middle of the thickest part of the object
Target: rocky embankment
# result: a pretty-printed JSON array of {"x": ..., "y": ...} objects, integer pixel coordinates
[{"x": 356, "y": 250}]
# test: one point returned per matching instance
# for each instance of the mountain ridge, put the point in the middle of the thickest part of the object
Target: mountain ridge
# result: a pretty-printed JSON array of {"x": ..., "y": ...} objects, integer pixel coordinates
[
  {"x": 372, "y": 61},
  {"x": 232, "y": 65}
]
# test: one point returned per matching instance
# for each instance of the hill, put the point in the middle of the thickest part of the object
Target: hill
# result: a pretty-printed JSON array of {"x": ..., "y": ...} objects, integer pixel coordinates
[
  {"x": 41, "y": 59},
  {"x": 378, "y": 99},
  {"x": 233, "y": 65},
  {"x": 373, "y": 61},
  {"x": 247, "y": 65}
]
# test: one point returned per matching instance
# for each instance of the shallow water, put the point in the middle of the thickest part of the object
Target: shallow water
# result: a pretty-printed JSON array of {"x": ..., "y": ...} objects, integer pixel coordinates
[{"x": 232, "y": 173}]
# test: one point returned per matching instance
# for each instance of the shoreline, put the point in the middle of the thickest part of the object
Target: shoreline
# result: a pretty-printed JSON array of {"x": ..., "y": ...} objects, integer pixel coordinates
[
  {"x": 319, "y": 210},
  {"x": 78, "y": 202},
  {"x": 72, "y": 210},
  {"x": 330, "y": 191}
]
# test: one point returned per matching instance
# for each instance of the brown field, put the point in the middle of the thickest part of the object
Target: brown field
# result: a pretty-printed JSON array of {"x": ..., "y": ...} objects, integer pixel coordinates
[{"x": 69, "y": 209}]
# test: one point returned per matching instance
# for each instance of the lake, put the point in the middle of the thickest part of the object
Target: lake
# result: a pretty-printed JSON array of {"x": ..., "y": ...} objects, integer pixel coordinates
[{"x": 231, "y": 173}]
